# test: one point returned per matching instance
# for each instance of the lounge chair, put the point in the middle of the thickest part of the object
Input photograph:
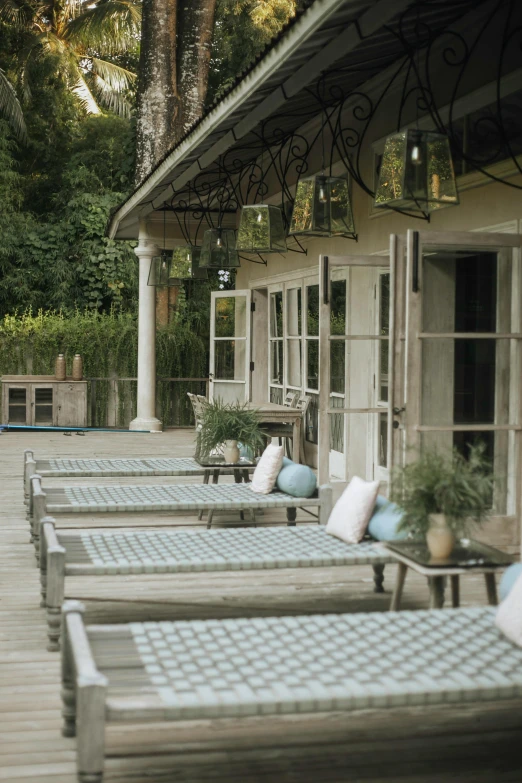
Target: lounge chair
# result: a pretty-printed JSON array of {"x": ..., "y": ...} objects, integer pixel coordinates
[
  {"x": 67, "y": 553},
  {"x": 65, "y": 467},
  {"x": 158, "y": 499},
  {"x": 277, "y": 683}
]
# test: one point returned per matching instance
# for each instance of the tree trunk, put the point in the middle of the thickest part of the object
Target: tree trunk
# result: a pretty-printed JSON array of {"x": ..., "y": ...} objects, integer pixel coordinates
[{"x": 176, "y": 41}]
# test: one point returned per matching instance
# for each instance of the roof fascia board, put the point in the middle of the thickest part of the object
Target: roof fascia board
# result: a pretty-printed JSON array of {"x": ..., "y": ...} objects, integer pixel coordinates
[
  {"x": 311, "y": 20},
  {"x": 348, "y": 40}
]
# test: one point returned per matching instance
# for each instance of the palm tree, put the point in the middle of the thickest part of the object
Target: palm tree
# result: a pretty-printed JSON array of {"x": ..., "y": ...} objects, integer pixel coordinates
[
  {"x": 10, "y": 108},
  {"x": 79, "y": 33}
]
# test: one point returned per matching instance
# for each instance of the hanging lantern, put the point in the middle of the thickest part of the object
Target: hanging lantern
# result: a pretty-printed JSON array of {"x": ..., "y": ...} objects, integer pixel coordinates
[
  {"x": 218, "y": 250},
  {"x": 184, "y": 265},
  {"x": 160, "y": 269},
  {"x": 173, "y": 266},
  {"x": 261, "y": 229},
  {"x": 322, "y": 207},
  {"x": 416, "y": 173}
]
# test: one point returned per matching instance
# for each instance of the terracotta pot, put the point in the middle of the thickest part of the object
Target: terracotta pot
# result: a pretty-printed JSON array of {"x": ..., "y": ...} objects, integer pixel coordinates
[
  {"x": 77, "y": 368},
  {"x": 59, "y": 367},
  {"x": 231, "y": 451},
  {"x": 439, "y": 538}
]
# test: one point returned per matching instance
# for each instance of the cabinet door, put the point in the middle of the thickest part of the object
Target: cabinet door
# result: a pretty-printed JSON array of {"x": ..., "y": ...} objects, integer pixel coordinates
[
  {"x": 17, "y": 399},
  {"x": 71, "y": 405},
  {"x": 42, "y": 404}
]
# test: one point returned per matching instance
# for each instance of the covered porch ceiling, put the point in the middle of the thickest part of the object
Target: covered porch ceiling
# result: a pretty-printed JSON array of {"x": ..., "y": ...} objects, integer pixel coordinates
[{"x": 333, "y": 46}]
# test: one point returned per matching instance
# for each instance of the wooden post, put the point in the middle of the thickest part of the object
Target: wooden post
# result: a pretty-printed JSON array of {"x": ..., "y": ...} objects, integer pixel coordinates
[
  {"x": 29, "y": 470},
  {"x": 326, "y": 503},
  {"x": 38, "y": 512},
  {"x": 68, "y": 692},
  {"x": 54, "y": 556}
]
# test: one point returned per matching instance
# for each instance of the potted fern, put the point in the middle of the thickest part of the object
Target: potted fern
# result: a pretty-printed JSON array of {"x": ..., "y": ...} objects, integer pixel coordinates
[
  {"x": 443, "y": 496},
  {"x": 224, "y": 425}
]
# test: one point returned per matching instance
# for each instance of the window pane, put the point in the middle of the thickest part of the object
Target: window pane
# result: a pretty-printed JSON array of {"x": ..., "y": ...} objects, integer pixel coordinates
[
  {"x": 276, "y": 361},
  {"x": 293, "y": 311},
  {"x": 276, "y": 314},
  {"x": 230, "y": 360},
  {"x": 313, "y": 310},
  {"x": 231, "y": 316},
  {"x": 384, "y": 329},
  {"x": 338, "y": 307},
  {"x": 337, "y": 367},
  {"x": 312, "y": 380},
  {"x": 43, "y": 396},
  {"x": 383, "y": 440},
  {"x": 17, "y": 396},
  {"x": 312, "y": 419},
  {"x": 276, "y": 396},
  {"x": 293, "y": 348}
]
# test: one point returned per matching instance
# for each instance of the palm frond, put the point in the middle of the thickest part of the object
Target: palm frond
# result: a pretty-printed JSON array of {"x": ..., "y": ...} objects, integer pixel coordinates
[
  {"x": 14, "y": 13},
  {"x": 85, "y": 96},
  {"x": 110, "y": 98},
  {"x": 118, "y": 79},
  {"x": 112, "y": 26},
  {"x": 10, "y": 108}
]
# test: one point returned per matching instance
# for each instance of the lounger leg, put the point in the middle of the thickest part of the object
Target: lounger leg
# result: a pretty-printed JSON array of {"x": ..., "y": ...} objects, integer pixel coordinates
[
  {"x": 237, "y": 480},
  {"x": 402, "y": 570},
  {"x": 436, "y": 584},
  {"x": 209, "y": 519},
  {"x": 491, "y": 587},
  {"x": 91, "y": 728},
  {"x": 206, "y": 477},
  {"x": 455, "y": 591},
  {"x": 378, "y": 578},
  {"x": 68, "y": 692},
  {"x": 291, "y": 514}
]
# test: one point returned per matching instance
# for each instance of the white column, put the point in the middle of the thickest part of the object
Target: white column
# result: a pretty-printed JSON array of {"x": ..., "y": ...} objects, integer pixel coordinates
[{"x": 146, "y": 413}]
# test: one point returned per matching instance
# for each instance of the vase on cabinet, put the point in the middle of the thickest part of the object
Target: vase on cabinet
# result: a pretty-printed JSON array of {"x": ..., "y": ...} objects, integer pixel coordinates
[
  {"x": 59, "y": 367},
  {"x": 77, "y": 367}
]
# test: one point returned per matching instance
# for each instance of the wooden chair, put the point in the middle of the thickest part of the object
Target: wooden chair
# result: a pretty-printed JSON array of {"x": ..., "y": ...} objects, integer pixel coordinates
[
  {"x": 301, "y": 402},
  {"x": 197, "y": 402}
]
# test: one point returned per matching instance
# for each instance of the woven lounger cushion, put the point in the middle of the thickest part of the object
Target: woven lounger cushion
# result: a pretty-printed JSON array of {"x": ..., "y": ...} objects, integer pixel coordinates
[
  {"x": 168, "y": 466},
  {"x": 227, "y": 668},
  {"x": 167, "y": 498},
  {"x": 160, "y": 551}
]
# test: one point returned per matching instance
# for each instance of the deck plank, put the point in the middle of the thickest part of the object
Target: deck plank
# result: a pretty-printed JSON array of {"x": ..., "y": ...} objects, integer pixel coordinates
[{"x": 32, "y": 749}]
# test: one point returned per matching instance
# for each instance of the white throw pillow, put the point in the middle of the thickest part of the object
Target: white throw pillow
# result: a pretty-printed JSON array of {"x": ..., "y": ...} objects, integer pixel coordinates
[
  {"x": 267, "y": 470},
  {"x": 351, "y": 514},
  {"x": 509, "y": 614}
]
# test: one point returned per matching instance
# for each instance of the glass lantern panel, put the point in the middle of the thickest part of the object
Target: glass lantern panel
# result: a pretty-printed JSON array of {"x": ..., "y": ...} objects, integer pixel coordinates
[
  {"x": 181, "y": 263},
  {"x": 254, "y": 229},
  {"x": 321, "y": 219},
  {"x": 277, "y": 230},
  {"x": 159, "y": 269},
  {"x": 341, "y": 218},
  {"x": 197, "y": 272},
  {"x": 302, "y": 212},
  {"x": 390, "y": 187},
  {"x": 442, "y": 187}
]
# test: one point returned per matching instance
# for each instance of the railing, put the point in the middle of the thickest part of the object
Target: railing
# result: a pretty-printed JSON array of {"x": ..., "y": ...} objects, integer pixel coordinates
[{"x": 112, "y": 401}]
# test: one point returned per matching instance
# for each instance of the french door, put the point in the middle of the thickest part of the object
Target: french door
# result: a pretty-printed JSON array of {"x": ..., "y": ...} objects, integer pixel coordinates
[
  {"x": 230, "y": 331},
  {"x": 356, "y": 361},
  {"x": 462, "y": 365}
]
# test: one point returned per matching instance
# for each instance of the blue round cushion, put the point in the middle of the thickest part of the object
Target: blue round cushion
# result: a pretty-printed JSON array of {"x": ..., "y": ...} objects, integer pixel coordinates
[
  {"x": 509, "y": 577},
  {"x": 297, "y": 480},
  {"x": 385, "y": 521}
]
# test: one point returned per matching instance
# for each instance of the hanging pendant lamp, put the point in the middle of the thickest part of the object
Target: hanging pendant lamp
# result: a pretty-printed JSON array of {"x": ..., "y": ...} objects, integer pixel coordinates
[
  {"x": 322, "y": 207},
  {"x": 160, "y": 269},
  {"x": 416, "y": 173},
  {"x": 218, "y": 250},
  {"x": 261, "y": 229}
]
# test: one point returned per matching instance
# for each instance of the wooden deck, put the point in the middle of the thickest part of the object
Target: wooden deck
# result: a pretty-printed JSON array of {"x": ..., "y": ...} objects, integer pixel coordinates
[{"x": 31, "y": 746}]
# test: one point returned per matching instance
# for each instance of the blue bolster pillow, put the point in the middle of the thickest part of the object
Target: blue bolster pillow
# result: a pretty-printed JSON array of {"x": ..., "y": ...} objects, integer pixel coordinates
[
  {"x": 296, "y": 480},
  {"x": 385, "y": 521},
  {"x": 509, "y": 577}
]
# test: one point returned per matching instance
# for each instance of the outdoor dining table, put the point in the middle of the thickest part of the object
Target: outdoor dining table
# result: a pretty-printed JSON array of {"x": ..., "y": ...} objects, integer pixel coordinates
[{"x": 272, "y": 413}]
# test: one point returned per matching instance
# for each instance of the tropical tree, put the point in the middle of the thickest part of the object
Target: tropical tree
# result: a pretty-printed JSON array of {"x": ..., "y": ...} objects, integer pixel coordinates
[
  {"x": 179, "y": 60},
  {"x": 10, "y": 108},
  {"x": 80, "y": 35}
]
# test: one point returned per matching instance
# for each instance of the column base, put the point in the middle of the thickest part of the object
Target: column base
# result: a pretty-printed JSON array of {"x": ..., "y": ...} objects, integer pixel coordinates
[{"x": 150, "y": 425}]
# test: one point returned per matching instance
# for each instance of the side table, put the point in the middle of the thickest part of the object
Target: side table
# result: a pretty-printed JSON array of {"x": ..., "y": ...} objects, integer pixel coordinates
[{"x": 468, "y": 556}]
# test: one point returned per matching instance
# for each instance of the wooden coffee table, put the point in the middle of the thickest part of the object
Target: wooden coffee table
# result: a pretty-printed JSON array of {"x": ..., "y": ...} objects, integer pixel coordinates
[{"x": 468, "y": 556}]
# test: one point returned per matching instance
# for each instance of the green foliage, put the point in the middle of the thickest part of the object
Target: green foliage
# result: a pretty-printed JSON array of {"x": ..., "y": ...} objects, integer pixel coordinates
[
  {"x": 108, "y": 344},
  {"x": 228, "y": 421},
  {"x": 450, "y": 484}
]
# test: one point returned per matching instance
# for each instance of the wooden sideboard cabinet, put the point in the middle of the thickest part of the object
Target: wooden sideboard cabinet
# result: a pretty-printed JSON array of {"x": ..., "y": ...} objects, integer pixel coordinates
[{"x": 42, "y": 400}]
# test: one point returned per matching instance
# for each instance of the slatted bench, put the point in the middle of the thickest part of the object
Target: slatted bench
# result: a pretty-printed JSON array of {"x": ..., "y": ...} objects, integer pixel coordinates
[
  {"x": 65, "y": 467},
  {"x": 66, "y": 553},
  {"x": 300, "y": 678},
  {"x": 154, "y": 499}
]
